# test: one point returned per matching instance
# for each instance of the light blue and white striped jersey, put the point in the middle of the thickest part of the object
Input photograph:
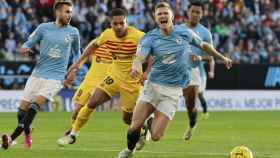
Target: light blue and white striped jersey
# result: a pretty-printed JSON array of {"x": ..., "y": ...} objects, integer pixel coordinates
[
  {"x": 206, "y": 36},
  {"x": 56, "y": 45},
  {"x": 170, "y": 54}
]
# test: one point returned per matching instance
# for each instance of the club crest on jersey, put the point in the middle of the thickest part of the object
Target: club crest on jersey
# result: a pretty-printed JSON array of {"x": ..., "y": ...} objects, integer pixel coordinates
[{"x": 179, "y": 40}]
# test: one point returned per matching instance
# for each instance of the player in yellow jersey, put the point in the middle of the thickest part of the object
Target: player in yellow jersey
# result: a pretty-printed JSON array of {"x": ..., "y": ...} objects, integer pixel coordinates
[
  {"x": 121, "y": 40},
  {"x": 100, "y": 61}
]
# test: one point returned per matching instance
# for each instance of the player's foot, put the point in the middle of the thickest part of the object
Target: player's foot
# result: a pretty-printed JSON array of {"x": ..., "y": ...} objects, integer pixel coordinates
[
  {"x": 6, "y": 141},
  {"x": 126, "y": 153},
  {"x": 205, "y": 116},
  {"x": 141, "y": 143},
  {"x": 188, "y": 133},
  {"x": 65, "y": 140},
  {"x": 28, "y": 140}
]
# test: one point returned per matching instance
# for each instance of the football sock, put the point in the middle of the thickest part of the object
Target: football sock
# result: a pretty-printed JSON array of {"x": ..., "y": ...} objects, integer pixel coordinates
[
  {"x": 149, "y": 123},
  {"x": 74, "y": 116},
  {"x": 132, "y": 138},
  {"x": 20, "y": 114},
  {"x": 82, "y": 118},
  {"x": 203, "y": 103},
  {"x": 192, "y": 118},
  {"x": 26, "y": 121}
]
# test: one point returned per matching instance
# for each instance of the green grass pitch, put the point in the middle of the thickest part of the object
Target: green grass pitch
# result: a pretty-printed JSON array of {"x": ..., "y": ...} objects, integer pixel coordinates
[{"x": 105, "y": 135}]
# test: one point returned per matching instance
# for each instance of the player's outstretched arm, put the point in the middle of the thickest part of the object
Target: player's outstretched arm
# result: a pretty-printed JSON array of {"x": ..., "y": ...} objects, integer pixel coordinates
[
  {"x": 209, "y": 49},
  {"x": 91, "y": 47}
]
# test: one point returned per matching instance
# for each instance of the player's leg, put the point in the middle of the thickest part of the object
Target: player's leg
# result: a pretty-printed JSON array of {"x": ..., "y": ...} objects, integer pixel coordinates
[
  {"x": 141, "y": 112},
  {"x": 103, "y": 93},
  {"x": 80, "y": 99},
  {"x": 127, "y": 117},
  {"x": 165, "y": 111},
  {"x": 191, "y": 96},
  {"x": 25, "y": 122},
  {"x": 202, "y": 98},
  {"x": 43, "y": 91},
  {"x": 159, "y": 125},
  {"x": 98, "y": 98},
  {"x": 128, "y": 97}
]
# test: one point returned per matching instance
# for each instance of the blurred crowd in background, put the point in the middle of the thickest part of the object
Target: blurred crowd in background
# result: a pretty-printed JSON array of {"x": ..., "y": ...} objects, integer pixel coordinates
[{"x": 246, "y": 30}]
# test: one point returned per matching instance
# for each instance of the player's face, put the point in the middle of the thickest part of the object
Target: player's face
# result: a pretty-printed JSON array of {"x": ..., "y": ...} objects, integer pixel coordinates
[
  {"x": 64, "y": 14},
  {"x": 195, "y": 14},
  {"x": 164, "y": 17},
  {"x": 119, "y": 25}
]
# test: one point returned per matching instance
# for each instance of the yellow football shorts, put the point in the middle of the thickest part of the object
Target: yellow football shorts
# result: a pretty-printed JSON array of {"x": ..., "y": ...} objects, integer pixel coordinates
[
  {"x": 129, "y": 91},
  {"x": 85, "y": 90}
]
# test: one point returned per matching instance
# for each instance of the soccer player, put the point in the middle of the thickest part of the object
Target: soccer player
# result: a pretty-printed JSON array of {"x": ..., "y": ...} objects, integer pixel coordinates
[
  {"x": 57, "y": 41},
  {"x": 169, "y": 47},
  {"x": 198, "y": 80},
  {"x": 121, "y": 40},
  {"x": 100, "y": 62}
]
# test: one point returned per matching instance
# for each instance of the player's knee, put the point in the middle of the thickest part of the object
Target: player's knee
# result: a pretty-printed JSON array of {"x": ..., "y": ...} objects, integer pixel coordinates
[
  {"x": 92, "y": 104},
  {"x": 156, "y": 136}
]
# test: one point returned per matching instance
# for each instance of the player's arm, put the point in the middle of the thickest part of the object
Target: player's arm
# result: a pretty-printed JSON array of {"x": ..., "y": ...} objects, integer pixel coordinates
[
  {"x": 211, "y": 72},
  {"x": 143, "y": 51},
  {"x": 33, "y": 39},
  {"x": 91, "y": 47},
  {"x": 209, "y": 49}
]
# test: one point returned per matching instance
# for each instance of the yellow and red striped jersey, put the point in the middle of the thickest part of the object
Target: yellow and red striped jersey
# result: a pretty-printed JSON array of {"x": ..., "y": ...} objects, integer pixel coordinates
[{"x": 122, "y": 49}]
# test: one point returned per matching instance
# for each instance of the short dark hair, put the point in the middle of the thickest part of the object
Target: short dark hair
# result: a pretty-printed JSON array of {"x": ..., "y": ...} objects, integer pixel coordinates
[
  {"x": 163, "y": 3},
  {"x": 196, "y": 3},
  {"x": 118, "y": 12},
  {"x": 59, "y": 3}
]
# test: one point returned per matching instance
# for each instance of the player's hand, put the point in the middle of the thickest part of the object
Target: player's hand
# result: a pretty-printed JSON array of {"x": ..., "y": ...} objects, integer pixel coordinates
[
  {"x": 134, "y": 73},
  {"x": 74, "y": 67},
  {"x": 144, "y": 77},
  {"x": 196, "y": 57},
  {"x": 25, "y": 51},
  {"x": 70, "y": 78},
  {"x": 67, "y": 84},
  {"x": 211, "y": 75},
  {"x": 227, "y": 62}
]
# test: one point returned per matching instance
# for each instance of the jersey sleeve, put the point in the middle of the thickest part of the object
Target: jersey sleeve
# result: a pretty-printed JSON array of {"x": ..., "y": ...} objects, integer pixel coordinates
[
  {"x": 34, "y": 38},
  {"x": 195, "y": 39},
  {"x": 76, "y": 46},
  {"x": 144, "y": 47}
]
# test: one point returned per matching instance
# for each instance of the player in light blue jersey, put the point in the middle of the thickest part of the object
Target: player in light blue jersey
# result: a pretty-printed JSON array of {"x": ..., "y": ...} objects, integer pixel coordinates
[
  {"x": 198, "y": 82},
  {"x": 57, "y": 41},
  {"x": 169, "y": 46}
]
